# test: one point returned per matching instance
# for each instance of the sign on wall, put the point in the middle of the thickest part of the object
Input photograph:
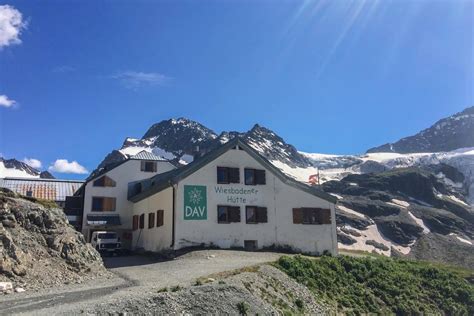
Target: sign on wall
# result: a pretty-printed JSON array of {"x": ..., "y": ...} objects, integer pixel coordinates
[{"x": 195, "y": 202}]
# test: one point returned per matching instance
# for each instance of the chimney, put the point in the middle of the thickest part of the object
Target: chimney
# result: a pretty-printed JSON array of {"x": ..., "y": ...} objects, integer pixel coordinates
[{"x": 196, "y": 153}]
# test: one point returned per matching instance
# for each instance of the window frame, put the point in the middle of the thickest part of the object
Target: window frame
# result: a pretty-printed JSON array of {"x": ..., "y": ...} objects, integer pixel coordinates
[
  {"x": 231, "y": 175},
  {"x": 144, "y": 163},
  {"x": 229, "y": 209},
  {"x": 108, "y": 182},
  {"x": 259, "y": 176},
  {"x": 114, "y": 199},
  {"x": 141, "y": 221},
  {"x": 259, "y": 210},
  {"x": 312, "y": 216}
]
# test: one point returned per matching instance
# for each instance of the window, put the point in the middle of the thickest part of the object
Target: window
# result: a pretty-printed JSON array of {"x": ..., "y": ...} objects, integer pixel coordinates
[
  {"x": 312, "y": 216},
  {"x": 104, "y": 182},
  {"x": 142, "y": 221},
  {"x": 103, "y": 204},
  {"x": 137, "y": 188},
  {"x": 151, "y": 220},
  {"x": 255, "y": 214},
  {"x": 159, "y": 218},
  {"x": 148, "y": 166},
  {"x": 135, "y": 222},
  {"x": 254, "y": 176},
  {"x": 227, "y": 175},
  {"x": 228, "y": 214},
  {"x": 29, "y": 193}
]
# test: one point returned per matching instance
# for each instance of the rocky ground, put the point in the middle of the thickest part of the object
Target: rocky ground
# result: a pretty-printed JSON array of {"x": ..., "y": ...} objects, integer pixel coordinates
[
  {"x": 439, "y": 248},
  {"x": 39, "y": 249},
  {"x": 137, "y": 280},
  {"x": 258, "y": 289}
]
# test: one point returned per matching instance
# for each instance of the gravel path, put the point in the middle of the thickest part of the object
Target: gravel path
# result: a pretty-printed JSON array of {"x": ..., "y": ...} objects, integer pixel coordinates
[{"x": 136, "y": 276}]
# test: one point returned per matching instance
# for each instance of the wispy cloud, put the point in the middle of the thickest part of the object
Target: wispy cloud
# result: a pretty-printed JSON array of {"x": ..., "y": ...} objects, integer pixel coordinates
[
  {"x": 11, "y": 26},
  {"x": 64, "y": 166},
  {"x": 6, "y": 102},
  {"x": 63, "y": 69},
  {"x": 135, "y": 79},
  {"x": 35, "y": 163}
]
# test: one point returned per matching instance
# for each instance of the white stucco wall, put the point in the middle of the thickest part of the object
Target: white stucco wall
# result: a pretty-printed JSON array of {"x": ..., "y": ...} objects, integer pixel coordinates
[
  {"x": 278, "y": 197},
  {"x": 156, "y": 238},
  {"x": 122, "y": 175}
]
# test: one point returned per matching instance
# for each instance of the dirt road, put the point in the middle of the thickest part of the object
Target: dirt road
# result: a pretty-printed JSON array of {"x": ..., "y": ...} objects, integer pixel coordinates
[{"x": 135, "y": 275}]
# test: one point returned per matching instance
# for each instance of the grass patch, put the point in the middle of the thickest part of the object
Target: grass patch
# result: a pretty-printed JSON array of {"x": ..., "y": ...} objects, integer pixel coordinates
[
  {"x": 382, "y": 285},
  {"x": 226, "y": 274},
  {"x": 46, "y": 203}
]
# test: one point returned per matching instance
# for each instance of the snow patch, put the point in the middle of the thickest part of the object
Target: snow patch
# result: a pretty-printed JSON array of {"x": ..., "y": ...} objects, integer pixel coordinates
[
  {"x": 373, "y": 233},
  {"x": 350, "y": 211},
  {"x": 461, "y": 239},
  {"x": 420, "y": 223},
  {"x": 337, "y": 195}
]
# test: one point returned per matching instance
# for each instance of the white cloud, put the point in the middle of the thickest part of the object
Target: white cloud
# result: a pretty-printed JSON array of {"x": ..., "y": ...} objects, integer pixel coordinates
[
  {"x": 11, "y": 26},
  {"x": 6, "y": 102},
  {"x": 35, "y": 163},
  {"x": 134, "y": 79},
  {"x": 64, "y": 166}
]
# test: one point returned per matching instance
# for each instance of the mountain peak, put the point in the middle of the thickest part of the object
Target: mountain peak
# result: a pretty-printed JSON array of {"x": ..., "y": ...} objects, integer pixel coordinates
[{"x": 450, "y": 133}]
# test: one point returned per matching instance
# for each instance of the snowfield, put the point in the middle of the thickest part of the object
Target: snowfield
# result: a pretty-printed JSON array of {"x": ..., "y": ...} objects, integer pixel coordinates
[
  {"x": 336, "y": 167},
  {"x": 14, "y": 173}
]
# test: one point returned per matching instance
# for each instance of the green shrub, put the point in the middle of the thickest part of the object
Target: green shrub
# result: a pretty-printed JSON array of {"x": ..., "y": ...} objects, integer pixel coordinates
[
  {"x": 382, "y": 285},
  {"x": 243, "y": 308},
  {"x": 176, "y": 288},
  {"x": 299, "y": 303}
]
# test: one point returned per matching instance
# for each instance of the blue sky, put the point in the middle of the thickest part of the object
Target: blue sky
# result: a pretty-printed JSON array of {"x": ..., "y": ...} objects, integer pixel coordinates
[{"x": 328, "y": 76}]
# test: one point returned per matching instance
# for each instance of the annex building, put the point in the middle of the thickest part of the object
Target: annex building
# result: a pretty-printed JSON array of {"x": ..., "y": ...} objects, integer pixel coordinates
[
  {"x": 104, "y": 195},
  {"x": 230, "y": 197}
]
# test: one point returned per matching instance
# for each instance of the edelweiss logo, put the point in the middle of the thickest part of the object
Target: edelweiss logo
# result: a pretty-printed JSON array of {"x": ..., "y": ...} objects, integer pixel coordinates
[{"x": 195, "y": 196}]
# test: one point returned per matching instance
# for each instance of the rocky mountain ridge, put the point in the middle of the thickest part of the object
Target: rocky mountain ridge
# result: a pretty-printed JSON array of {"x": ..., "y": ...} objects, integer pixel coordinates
[
  {"x": 19, "y": 169},
  {"x": 456, "y": 131}
]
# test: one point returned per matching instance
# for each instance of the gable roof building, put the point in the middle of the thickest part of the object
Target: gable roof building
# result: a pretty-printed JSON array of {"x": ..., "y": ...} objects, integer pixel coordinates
[
  {"x": 231, "y": 197},
  {"x": 105, "y": 204},
  {"x": 48, "y": 189}
]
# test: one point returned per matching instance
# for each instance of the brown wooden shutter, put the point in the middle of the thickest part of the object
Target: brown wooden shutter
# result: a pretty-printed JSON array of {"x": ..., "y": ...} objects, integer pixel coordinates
[
  {"x": 297, "y": 216},
  {"x": 109, "y": 204},
  {"x": 325, "y": 216},
  {"x": 262, "y": 215},
  {"x": 234, "y": 214},
  {"x": 151, "y": 220},
  {"x": 159, "y": 218},
  {"x": 135, "y": 222},
  {"x": 260, "y": 177}
]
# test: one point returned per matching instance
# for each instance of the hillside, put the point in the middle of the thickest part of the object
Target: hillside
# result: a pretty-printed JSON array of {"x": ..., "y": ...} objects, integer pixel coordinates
[
  {"x": 382, "y": 286},
  {"x": 390, "y": 211},
  {"x": 39, "y": 248},
  {"x": 456, "y": 131}
]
